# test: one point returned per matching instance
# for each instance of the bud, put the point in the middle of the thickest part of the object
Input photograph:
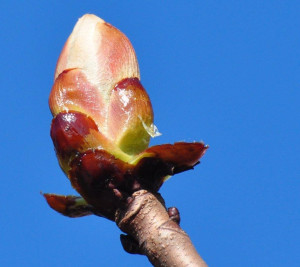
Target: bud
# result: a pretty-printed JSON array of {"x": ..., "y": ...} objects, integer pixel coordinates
[
  {"x": 103, "y": 121},
  {"x": 97, "y": 74}
]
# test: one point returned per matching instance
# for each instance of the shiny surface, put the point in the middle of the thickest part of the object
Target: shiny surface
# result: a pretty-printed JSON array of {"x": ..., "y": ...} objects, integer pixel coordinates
[
  {"x": 130, "y": 109},
  {"x": 181, "y": 155},
  {"x": 72, "y": 91},
  {"x": 157, "y": 163},
  {"x": 74, "y": 132},
  {"x": 69, "y": 133}
]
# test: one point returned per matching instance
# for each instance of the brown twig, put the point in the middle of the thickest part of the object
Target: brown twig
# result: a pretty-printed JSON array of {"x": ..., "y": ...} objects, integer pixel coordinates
[{"x": 160, "y": 238}]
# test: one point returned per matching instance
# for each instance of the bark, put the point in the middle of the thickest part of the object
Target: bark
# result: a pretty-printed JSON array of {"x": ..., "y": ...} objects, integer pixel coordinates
[{"x": 160, "y": 238}]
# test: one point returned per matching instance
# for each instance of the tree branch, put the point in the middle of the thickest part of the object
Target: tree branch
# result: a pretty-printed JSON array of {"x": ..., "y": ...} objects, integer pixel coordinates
[{"x": 161, "y": 239}]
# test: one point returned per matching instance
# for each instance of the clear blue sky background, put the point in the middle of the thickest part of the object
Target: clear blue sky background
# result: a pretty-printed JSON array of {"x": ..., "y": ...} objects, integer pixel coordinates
[{"x": 225, "y": 72}]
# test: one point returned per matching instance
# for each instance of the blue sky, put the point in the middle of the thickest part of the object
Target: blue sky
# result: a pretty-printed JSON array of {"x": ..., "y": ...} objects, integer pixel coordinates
[{"x": 225, "y": 72}]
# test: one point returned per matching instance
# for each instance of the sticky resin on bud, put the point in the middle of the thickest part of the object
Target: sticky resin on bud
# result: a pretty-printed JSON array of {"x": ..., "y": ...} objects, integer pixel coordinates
[{"x": 130, "y": 116}]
